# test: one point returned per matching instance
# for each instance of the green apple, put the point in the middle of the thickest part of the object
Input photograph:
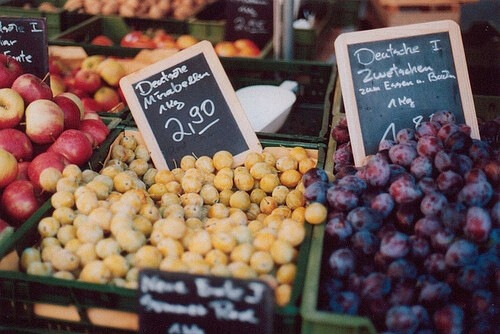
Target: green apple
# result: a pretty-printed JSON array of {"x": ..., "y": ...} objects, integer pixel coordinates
[
  {"x": 91, "y": 63},
  {"x": 111, "y": 71}
]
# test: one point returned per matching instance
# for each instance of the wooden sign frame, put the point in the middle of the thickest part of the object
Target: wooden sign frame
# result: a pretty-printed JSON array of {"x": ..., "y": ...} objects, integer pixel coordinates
[
  {"x": 347, "y": 85},
  {"x": 205, "y": 48}
]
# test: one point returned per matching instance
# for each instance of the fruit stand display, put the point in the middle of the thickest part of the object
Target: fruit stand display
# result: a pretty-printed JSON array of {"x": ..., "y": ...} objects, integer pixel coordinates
[
  {"x": 252, "y": 249},
  {"x": 41, "y": 132},
  {"x": 412, "y": 245},
  {"x": 111, "y": 34}
]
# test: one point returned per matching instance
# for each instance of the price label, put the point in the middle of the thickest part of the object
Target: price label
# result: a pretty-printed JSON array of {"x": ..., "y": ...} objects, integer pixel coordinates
[
  {"x": 186, "y": 105},
  {"x": 251, "y": 19},
  {"x": 394, "y": 78},
  {"x": 178, "y": 303},
  {"x": 25, "y": 39}
]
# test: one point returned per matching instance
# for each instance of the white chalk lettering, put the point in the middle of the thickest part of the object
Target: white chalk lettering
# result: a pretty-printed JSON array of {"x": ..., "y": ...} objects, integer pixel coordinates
[
  {"x": 444, "y": 75},
  {"x": 368, "y": 90},
  {"x": 435, "y": 46},
  {"x": 401, "y": 102},
  {"x": 171, "y": 104},
  {"x": 34, "y": 27},
  {"x": 177, "y": 328},
  {"x": 258, "y": 293},
  {"x": 225, "y": 310},
  {"x": 145, "y": 87},
  {"x": 22, "y": 58},
  {"x": 156, "y": 284},
  {"x": 193, "y": 310},
  {"x": 10, "y": 27},
  {"x": 366, "y": 56},
  {"x": 7, "y": 42},
  {"x": 227, "y": 290},
  {"x": 395, "y": 85},
  {"x": 393, "y": 71},
  {"x": 247, "y": 10}
]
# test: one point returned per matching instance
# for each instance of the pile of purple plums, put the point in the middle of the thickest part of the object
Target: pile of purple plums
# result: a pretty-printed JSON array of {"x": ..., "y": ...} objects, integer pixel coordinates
[
  {"x": 489, "y": 132},
  {"x": 412, "y": 238}
]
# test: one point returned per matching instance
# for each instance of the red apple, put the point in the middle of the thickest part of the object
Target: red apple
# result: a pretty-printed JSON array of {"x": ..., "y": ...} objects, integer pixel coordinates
[
  {"x": 19, "y": 201},
  {"x": 31, "y": 88},
  {"x": 90, "y": 105},
  {"x": 74, "y": 146},
  {"x": 96, "y": 128},
  {"x": 121, "y": 95},
  {"x": 69, "y": 81},
  {"x": 78, "y": 92},
  {"x": 8, "y": 170},
  {"x": 91, "y": 139},
  {"x": 17, "y": 143},
  {"x": 91, "y": 115},
  {"x": 72, "y": 115},
  {"x": 107, "y": 97},
  {"x": 77, "y": 100},
  {"x": 11, "y": 108},
  {"x": 42, "y": 162},
  {"x": 57, "y": 66},
  {"x": 10, "y": 69},
  {"x": 44, "y": 121},
  {"x": 22, "y": 170},
  {"x": 87, "y": 80},
  {"x": 102, "y": 40}
]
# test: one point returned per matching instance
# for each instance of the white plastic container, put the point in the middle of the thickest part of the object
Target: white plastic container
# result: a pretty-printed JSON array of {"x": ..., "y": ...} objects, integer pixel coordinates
[{"x": 267, "y": 107}]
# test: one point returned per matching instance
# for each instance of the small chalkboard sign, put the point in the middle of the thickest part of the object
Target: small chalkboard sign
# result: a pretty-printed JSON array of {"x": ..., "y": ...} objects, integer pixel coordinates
[
  {"x": 251, "y": 19},
  {"x": 25, "y": 39},
  {"x": 186, "y": 105},
  {"x": 179, "y": 303},
  {"x": 394, "y": 78}
]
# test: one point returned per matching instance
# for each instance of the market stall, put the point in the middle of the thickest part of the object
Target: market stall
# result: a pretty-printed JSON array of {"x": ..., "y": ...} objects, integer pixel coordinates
[{"x": 194, "y": 167}]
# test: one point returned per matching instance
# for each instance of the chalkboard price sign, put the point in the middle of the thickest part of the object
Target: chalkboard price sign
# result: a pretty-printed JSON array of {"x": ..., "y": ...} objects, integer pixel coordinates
[
  {"x": 25, "y": 39},
  {"x": 186, "y": 105},
  {"x": 179, "y": 303},
  {"x": 252, "y": 19},
  {"x": 394, "y": 78}
]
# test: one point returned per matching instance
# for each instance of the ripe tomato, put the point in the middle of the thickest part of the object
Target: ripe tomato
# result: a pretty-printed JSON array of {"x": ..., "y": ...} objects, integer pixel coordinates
[
  {"x": 102, "y": 40},
  {"x": 137, "y": 39},
  {"x": 163, "y": 40}
]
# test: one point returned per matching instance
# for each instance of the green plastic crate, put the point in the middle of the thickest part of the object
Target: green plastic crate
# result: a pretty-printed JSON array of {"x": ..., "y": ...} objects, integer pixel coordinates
[
  {"x": 114, "y": 27},
  {"x": 315, "y": 321},
  {"x": 20, "y": 291},
  {"x": 211, "y": 30},
  {"x": 345, "y": 12},
  {"x": 54, "y": 20}
]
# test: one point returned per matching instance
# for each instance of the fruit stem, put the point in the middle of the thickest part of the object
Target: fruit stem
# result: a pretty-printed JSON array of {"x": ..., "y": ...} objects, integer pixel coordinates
[
  {"x": 46, "y": 76},
  {"x": 116, "y": 108}
]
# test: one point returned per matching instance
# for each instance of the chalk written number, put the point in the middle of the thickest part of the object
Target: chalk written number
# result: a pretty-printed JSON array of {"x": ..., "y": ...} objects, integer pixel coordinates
[
  {"x": 196, "y": 113},
  {"x": 391, "y": 129},
  {"x": 177, "y": 328},
  {"x": 253, "y": 26}
]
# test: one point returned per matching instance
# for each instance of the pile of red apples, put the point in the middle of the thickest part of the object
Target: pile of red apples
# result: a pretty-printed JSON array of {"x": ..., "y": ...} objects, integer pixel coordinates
[
  {"x": 39, "y": 135},
  {"x": 95, "y": 81}
]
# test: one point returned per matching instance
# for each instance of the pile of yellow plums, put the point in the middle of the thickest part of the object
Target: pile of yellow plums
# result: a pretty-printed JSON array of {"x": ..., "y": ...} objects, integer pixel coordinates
[{"x": 204, "y": 217}]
